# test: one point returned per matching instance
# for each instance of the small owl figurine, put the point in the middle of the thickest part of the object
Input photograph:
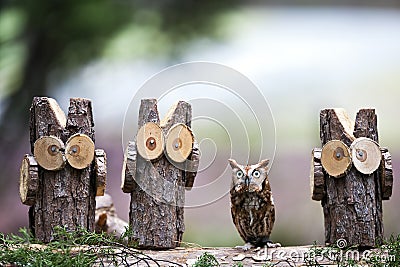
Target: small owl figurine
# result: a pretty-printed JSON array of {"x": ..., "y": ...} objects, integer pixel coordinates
[{"x": 252, "y": 205}]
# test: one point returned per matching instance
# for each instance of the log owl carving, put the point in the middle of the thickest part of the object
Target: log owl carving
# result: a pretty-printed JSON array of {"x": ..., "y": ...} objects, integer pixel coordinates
[
  {"x": 252, "y": 204},
  {"x": 351, "y": 175},
  {"x": 159, "y": 165},
  {"x": 60, "y": 181}
]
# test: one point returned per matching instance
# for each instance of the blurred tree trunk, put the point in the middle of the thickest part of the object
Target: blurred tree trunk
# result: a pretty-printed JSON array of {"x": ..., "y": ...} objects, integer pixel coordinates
[{"x": 14, "y": 125}]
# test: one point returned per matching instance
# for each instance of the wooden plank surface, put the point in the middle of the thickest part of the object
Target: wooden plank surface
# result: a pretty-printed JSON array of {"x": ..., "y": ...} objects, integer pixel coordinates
[{"x": 283, "y": 256}]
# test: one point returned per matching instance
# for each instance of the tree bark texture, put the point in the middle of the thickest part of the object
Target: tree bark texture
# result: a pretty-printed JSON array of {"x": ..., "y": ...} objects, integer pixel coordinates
[
  {"x": 65, "y": 197},
  {"x": 157, "y": 187},
  {"x": 352, "y": 204}
]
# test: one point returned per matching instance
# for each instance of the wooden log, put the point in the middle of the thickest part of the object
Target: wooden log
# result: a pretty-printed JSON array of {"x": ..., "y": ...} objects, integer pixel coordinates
[
  {"x": 386, "y": 174},
  {"x": 129, "y": 168},
  {"x": 100, "y": 167},
  {"x": 335, "y": 158},
  {"x": 29, "y": 180},
  {"x": 65, "y": 197},
  {"x": 48, "y": 152},
  {"x": 352, "y": 204},
  {"x": 366, "y": 155},
  {"x": 192, "y": 166},
  {"x": 179, "y": 143},
  {"x": 157, "y": 187},
  {"x": 106, "y": 218},
  {"x": 150, "y": 141},
  {"x": 79, "y": 151},
  {"x": 317, "y": 178}
]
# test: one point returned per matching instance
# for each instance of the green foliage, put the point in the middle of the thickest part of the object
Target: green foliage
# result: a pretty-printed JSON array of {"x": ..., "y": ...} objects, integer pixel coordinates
[
  {"x": 206, "y": 260},
  {"x": 77, "y": 248},
  {"x": 18, "y": 250},
  {"x": 238, "y": 264},
  {"x": 393, "y": 247}
]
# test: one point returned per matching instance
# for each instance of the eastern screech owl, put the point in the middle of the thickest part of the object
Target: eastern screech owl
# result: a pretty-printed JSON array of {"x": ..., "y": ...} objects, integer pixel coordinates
[{"x": 252, "y": 205}]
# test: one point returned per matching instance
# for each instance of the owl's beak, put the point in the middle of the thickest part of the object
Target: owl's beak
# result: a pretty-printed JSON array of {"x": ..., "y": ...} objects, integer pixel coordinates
[{"x": 247, "y": 181}]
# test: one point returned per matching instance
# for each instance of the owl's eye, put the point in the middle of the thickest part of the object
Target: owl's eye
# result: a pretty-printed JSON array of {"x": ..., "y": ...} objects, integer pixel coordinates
[
  {"x": 179, "y": 143},
  {"x": 48, "y": 153},
  {"x": 239, "y": 174},
  {"x": 256, "y": 174},
  {"x": 366, "y": 155},
  {"x": 150, "y": 141},
  {"x": 80, "y": 151}
]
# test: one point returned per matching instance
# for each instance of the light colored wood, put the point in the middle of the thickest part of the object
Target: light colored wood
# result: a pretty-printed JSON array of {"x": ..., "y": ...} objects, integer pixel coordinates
[
  {"x": 294, "y": 256},
  {"x": 366, "y": 155},
  {"x": 100, "y": 166},
  {"x": 107, "y": 219},
  {"x": 345, "y": 121},
  {"x": 150, "y": 141},
  {"x": 48, "y": 151},
  {"x": 59, "y": 114},
  {"x": 79, "y": 151},
  {"x": 179, "y": 142},
  {"x": 335, "y": 158},
  {"x": 317, "y": 180},
  {"x": 28, "y": 180}
]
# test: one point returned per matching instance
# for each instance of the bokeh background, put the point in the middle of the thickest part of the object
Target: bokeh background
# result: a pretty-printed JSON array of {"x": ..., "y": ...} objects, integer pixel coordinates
[{"x": 303, "y": 58}]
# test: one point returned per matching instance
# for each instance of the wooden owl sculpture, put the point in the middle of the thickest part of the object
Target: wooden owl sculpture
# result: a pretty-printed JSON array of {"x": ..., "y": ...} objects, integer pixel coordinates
[
  {"x": 159, "y": 165},
  {"x": 64, "y": 175},
  {"x": 252, "y": 205},
  {"x": 351, "y": 175}
]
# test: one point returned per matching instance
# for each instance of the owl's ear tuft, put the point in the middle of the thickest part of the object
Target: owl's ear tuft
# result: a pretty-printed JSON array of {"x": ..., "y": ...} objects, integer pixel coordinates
[
  {"x": 233, "y": 163},
  {"x": 264, "y": 163}
]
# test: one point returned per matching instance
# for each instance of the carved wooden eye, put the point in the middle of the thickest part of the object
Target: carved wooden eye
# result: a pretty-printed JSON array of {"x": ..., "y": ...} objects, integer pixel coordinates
[
  {"x": 335, "y": 158},
  {"x": 79, "y": 151},
  {"x": 256, "y": 174},
  {"x": 179, "y": 142},
  {"x": 239, "y": 174},
  {"x": 366, "y": 155},
  {"x": 48, "y": 153},
  {"x": 150, "y": 141}
]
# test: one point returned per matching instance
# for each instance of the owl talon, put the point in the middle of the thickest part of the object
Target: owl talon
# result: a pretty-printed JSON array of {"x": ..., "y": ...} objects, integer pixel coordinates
[
  {"x": 245, "y": 247},
  {"x": 273, "y": 245}
]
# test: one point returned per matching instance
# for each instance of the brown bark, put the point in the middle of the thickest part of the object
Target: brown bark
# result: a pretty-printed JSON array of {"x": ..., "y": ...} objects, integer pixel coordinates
[
  {"x": 353, "y": 203},
  {"x": 157, "y": 187},
  {"x": 65, "y": 197},
  {"x": 386, "y": 174},
  {"x": 317, "y": 176}
]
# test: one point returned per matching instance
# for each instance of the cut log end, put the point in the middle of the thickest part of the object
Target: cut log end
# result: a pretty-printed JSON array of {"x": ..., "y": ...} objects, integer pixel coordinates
[
  {"x": 29, "y": 180},
  {"x": 150, "y": 141},
  {"x": 179, "y": 143},
  {"x": 80, "y": 151},
  {"x": 317, "y": 180},
  {"x": 48, "y": 153},
  {"x": 366, "y": 155},
  {"x": 100, "y": 165},
  {"x": 335, "y": 158}
]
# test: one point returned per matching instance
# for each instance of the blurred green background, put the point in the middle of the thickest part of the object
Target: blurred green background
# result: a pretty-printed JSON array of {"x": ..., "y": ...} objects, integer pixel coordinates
[{"x": 303, "y": 57}]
